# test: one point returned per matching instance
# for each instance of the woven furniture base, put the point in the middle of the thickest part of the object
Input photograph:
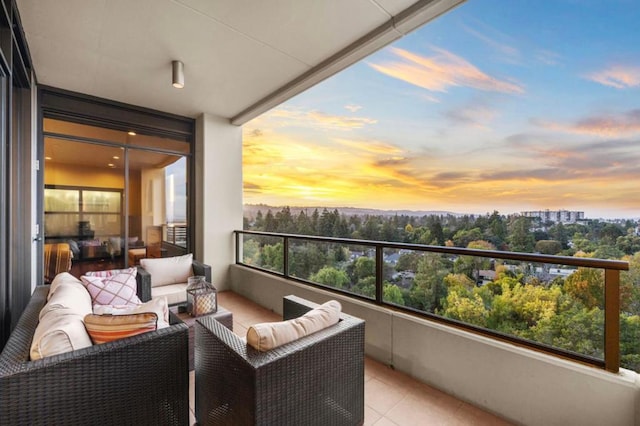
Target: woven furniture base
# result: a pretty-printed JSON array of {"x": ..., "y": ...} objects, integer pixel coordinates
[
  {"x": 139, "y": 380},
  {"x": 316, "y": 380}
]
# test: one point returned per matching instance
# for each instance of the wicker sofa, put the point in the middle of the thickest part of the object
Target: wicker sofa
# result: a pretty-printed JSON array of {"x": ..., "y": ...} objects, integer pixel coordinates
[
  {"x": 315, "y": 380},
  {"x": 142, "y": 379}
]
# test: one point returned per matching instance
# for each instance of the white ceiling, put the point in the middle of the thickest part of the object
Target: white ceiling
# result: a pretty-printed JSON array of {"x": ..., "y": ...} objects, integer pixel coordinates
[{"x": 235, "y": 52}]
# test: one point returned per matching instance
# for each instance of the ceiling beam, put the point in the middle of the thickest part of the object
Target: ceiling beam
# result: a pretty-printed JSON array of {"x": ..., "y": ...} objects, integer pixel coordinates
[{"x": 396, "y": 27}]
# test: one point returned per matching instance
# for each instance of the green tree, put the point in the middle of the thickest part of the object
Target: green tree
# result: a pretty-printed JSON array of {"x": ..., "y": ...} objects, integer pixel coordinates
[
  {"x": 435, "y": 230},
  {"x": 270, "y": 222},
  {"x": 259, "y": 222},
  {"x": 303, "y": 224},
  {"x": 306, "y": 259},
  {"x": 463, "y": 237},
  {"x": 520, "y": 238},
  {"x": 548, "y": 246},
  {"x": 587, "y": 286},
  {"x": 251, "y": 252},
  {"x": 331, "y": 276},
  {"x": 559, "y": 233},
  {"x": 392, "y": 294},
  {"x": 409, "y": 261},
  {"x": 468, "y": 308},
  {"x": 628, "y": 244},
  {"x": 428, "y": 285},
  {"x": 365, "y": 267},
  {"x": 272, "y": 257}
]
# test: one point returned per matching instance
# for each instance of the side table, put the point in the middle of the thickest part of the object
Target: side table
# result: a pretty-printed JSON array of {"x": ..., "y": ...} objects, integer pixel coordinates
[{"x": 222, "y": 315}]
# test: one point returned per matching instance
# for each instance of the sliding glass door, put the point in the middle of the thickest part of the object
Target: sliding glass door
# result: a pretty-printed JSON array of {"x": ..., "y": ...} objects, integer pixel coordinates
[{"x": 114, "y": 197}]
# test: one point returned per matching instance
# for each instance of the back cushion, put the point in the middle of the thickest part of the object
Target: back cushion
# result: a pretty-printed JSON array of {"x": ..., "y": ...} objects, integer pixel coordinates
[
  {"x": 69, "y": 298},
  {"x": 111, "y": 272},
  {"x": 58, "y": 333},
  {"x": 168, "y": 270},
  {"x": 118, "y": 289}
]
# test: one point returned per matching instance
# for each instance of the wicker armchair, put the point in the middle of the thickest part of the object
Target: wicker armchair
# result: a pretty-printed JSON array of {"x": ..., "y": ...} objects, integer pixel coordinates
[
  {"x": 138, "y": 380},
  {"x": 143, "y": 279},
  {"x": 315, "y": 380}
]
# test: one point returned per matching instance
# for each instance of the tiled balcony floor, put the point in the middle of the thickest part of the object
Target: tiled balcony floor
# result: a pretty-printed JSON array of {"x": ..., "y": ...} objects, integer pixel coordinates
[{"x": 391, "y": 398}]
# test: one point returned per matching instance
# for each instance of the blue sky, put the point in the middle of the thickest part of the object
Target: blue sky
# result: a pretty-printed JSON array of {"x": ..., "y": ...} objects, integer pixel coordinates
[{"x": 506, "y": 106}]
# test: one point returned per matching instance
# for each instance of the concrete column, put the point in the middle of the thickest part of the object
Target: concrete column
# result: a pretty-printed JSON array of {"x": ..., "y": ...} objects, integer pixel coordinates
[{"x": 218, "y": 187}]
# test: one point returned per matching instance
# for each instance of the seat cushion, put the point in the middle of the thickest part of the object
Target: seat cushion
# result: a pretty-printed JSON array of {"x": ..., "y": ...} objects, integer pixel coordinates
[
  {"x": 269, "y": 335},
  {"x": 168, "y": 270},
  {"x": 174, "y": 293}
]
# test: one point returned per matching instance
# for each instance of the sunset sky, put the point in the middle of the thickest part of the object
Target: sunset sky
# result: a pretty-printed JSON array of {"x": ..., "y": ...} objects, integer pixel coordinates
[{"x": 508, "y": 106}]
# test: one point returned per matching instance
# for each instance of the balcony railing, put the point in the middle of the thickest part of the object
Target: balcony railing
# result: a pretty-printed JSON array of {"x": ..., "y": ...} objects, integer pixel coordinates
[{"x": 284, "y": 244}]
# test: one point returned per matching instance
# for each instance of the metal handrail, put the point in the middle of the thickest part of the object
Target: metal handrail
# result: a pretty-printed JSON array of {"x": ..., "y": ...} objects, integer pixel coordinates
[{"x": 612, "y": 270}]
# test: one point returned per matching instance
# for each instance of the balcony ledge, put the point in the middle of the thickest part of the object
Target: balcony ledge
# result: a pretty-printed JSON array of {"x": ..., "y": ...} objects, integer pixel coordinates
[{"x": 517, "y": 383}]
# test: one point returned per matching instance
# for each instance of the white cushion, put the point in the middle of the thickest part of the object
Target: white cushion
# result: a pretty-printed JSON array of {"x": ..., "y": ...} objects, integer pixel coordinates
[
  {"x": 157, "y": 306},
  {"x": 70, "y": 297},
  {"x": 269, "y": 335},
  {"x": 61, "y": 278},
  {"x": 168, "y": 270},
  {"x": 174, "y": 293},
  {"x": 57, "y": 334}
]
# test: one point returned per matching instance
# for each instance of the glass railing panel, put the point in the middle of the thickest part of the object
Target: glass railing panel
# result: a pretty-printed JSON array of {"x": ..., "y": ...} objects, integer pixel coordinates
[
  {"x": 347, "y": 267},
  {"x": 555, "y": 304},
  {"x": 263, "y": 252}
]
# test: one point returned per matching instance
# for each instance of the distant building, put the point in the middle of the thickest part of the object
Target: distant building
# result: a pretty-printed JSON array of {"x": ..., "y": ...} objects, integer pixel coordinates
[{"x": 556, "y": 216}]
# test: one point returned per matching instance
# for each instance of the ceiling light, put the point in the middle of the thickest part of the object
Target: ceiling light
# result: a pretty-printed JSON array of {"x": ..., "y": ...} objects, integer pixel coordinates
[
  {"x": 131, "y": 133},
  {"x": 111, "y": 165},
  {"x": 178, "y": 74},
  {"x": 115, "y": 157},
  {"x": 47, "y": 158}
]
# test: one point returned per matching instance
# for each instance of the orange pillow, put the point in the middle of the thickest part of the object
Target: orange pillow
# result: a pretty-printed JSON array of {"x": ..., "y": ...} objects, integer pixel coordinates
[{"x": 105, "y": 328}]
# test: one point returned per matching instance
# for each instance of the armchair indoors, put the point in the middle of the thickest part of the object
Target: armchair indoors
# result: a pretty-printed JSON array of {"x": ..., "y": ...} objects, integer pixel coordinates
[
  {"x": 315, "y": 380},
  {"x": 57, "y": 258},
  {"x": 167, "y": 277}
]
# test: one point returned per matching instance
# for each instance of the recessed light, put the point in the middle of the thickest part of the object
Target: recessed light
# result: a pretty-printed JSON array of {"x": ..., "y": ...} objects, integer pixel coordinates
[
  {"x": 48, "y": 158},
  {"x": 111, "y": 165},
  {"x": 131, "y": 133},
  {"x": 115, "y": 157}
]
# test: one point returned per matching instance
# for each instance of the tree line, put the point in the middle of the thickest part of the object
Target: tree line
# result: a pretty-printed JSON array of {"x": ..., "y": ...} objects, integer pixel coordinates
[{"x": 565, "y": 311}]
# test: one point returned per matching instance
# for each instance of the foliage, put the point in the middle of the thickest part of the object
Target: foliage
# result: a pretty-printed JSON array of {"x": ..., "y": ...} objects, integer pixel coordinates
[
  {"x": 524, "y": 300},
  {"x": 331, "y": 276}
]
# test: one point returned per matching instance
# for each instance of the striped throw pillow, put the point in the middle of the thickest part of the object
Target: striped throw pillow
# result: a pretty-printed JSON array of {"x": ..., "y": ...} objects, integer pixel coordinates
[{"x": 106, "y": 328}]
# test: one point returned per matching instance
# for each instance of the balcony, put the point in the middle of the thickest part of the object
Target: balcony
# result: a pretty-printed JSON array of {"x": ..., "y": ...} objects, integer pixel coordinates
[
  {"x": 521, "y": 382},
  {"x": 391, "y": 397}
]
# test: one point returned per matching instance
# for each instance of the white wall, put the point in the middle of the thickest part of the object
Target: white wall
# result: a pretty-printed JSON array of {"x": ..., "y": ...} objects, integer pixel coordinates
[
  {"x": 218, "y": 193},
  {"x": 521, "y": 385}
]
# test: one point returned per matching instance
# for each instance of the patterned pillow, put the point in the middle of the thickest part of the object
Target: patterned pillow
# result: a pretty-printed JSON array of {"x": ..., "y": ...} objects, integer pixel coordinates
[
  {"x": 106, "y": 328},
  {"x": 111, "y": 272},
  {"x": 118, "y": 289}
]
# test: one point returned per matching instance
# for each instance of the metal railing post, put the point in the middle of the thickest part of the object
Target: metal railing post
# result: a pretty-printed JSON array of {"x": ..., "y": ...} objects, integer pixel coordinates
[
  {"x": 379, "y": 273},
  {"x": 238, "y": 261},
  {"x": 612, "y": 320},
  {"x": 285, "y": 257}
]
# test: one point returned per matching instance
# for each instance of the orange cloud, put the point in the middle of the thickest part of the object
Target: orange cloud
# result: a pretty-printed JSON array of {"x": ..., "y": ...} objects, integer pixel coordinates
[
  {"x": 624, "y": 124},
  {"x": 442, "y": 71},
  {"x": 369, "y": 146},
  {"x": 618, "y": 76},
  {"x": 317, "y": 120}
]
